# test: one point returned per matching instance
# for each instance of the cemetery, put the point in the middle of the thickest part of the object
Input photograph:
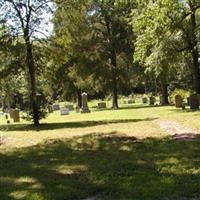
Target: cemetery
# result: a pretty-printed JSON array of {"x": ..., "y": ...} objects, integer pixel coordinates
[
  {"x": 88, "y": 142},
  {"x": 99, "y": 100}
]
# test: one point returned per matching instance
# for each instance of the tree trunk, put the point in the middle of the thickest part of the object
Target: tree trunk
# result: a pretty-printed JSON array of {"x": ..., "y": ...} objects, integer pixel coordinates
[
  {"x": 114, "y": 81},
  {"x": 164, "y": 92},
  {"x": 156, "y": 87},
  {"x": 79, "y": 99},
  {"x": 32, "y": 79},
  {"x": 195, "y": 54},
  {"x": 114, "y": 94}
]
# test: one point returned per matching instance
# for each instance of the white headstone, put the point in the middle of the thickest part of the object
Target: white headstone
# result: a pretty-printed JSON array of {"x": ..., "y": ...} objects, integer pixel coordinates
[
  {"x": 56, "y": 107},
  {"x": 64, "y": 111}
]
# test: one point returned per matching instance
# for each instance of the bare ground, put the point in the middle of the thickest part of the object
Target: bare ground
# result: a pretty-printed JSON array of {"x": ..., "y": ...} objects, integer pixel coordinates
[{"x": 179, "y": 132}]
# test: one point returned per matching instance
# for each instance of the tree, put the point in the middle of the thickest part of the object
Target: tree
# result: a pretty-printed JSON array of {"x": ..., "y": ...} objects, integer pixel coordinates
[
  {"x": 115, "y": 36},
  {"x": 25, "y": 18},
  {"x": 96, "y": 43},
  {"x": 166, "y": 41},
  {"x": 69, "y": 47}
]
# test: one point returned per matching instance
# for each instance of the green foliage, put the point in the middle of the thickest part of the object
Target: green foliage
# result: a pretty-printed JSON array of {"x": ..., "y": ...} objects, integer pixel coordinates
[
  {"x": 99, "y": 45},
  {"x": 85, "y": 36},
  {"x": 165, "y": 38},
  {"x": 154, "y": 42},
  {"x": 183, "y": 93},
  {"x": 28, "y": 115}
]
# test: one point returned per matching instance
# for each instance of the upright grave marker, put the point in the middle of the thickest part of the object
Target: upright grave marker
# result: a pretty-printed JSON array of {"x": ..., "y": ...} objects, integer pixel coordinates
[
  {"x": 101, "y": 105},
  {"x": 194, "y": 102},
  {"x": 16, "y": 117},
  {"x": 152, "y": 100},
  {"x": 50, "y": 108},
  {"x": 178, "y": 101},
  {"x": 64, "y": 111},
  {"x": 84, "y": 108},
  {"x": 144, "y": 100},
  {"x": 56, "y": 107}
]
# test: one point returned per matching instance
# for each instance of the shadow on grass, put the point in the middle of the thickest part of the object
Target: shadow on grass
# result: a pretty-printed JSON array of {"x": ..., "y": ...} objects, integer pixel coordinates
[
  {"x": 116, "y": 167},
  {"x": 77, "y": 124}
]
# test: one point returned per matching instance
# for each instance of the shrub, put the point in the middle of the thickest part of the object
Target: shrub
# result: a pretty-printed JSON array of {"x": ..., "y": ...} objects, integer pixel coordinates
[{"x": 183, "y": 93}]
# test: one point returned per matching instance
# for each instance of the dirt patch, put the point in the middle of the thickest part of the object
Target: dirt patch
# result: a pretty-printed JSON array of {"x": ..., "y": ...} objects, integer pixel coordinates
[
  {"x": 179, "y": 132},
  {"x": 2, "y": 140}
]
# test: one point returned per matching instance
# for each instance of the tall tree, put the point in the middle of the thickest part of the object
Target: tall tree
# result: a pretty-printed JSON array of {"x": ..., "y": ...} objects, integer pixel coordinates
[
  {"x": 110, "y": 19},
  {"x": 97, "y": 44},
  {"x": 70, "y": 43},
  {"x": 25, "y": 18},
  {"x": 167, "y": 34}
]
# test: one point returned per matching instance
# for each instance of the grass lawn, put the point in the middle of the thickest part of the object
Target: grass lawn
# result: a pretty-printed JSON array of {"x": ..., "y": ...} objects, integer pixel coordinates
[{"x": 120, "y": 155}]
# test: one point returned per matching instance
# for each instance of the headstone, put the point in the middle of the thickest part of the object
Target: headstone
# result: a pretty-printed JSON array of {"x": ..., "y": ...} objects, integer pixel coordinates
[
  {"x": 70, "y": 107},
  {"x": 16, "y": 117},
  {"x": 84, "y": 108},
  {"x": 77, "y": 108},
  {"x": 50, "y": 109},
  {"x": 152, "y": 100},
  {"x": 64, "y": 111},
  {"x": 183, "y": 106},
  {"x": 56, "y": 107},
  {"x": 162, "y": 100},
  {"x": 194, "y": 102},
  {"x": 101, "y": 105},
  {"x": 144, "y": 100},
  {"x": 125, "y": 102},
  {"x": 178, "y": 101},
  {"x": 130, "y": 101},
  {"x": 188, "y": 101}
]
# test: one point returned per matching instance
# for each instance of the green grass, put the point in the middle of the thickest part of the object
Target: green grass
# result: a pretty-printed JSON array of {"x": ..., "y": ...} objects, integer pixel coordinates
[
  {"x": 121, "y": 155},
  {"x": 116, "y": 167}
]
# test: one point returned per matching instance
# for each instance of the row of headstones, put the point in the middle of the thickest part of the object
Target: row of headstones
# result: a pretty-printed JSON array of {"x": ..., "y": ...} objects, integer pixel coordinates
[
  {"x": 85, "y": 109},
  {"x": 193, "y": 101},
  {"x": 151, "y": 100},
  {"x": 65, "y": 110},
  {"x": 129, "y": 101},
  {"x": 145, "y": 100}
]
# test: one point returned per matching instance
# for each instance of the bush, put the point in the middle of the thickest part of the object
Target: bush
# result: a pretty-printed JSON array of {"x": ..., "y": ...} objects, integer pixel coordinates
[
  {"x": 183, "y": 93},
  {"x": 28, "y": 114}
]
